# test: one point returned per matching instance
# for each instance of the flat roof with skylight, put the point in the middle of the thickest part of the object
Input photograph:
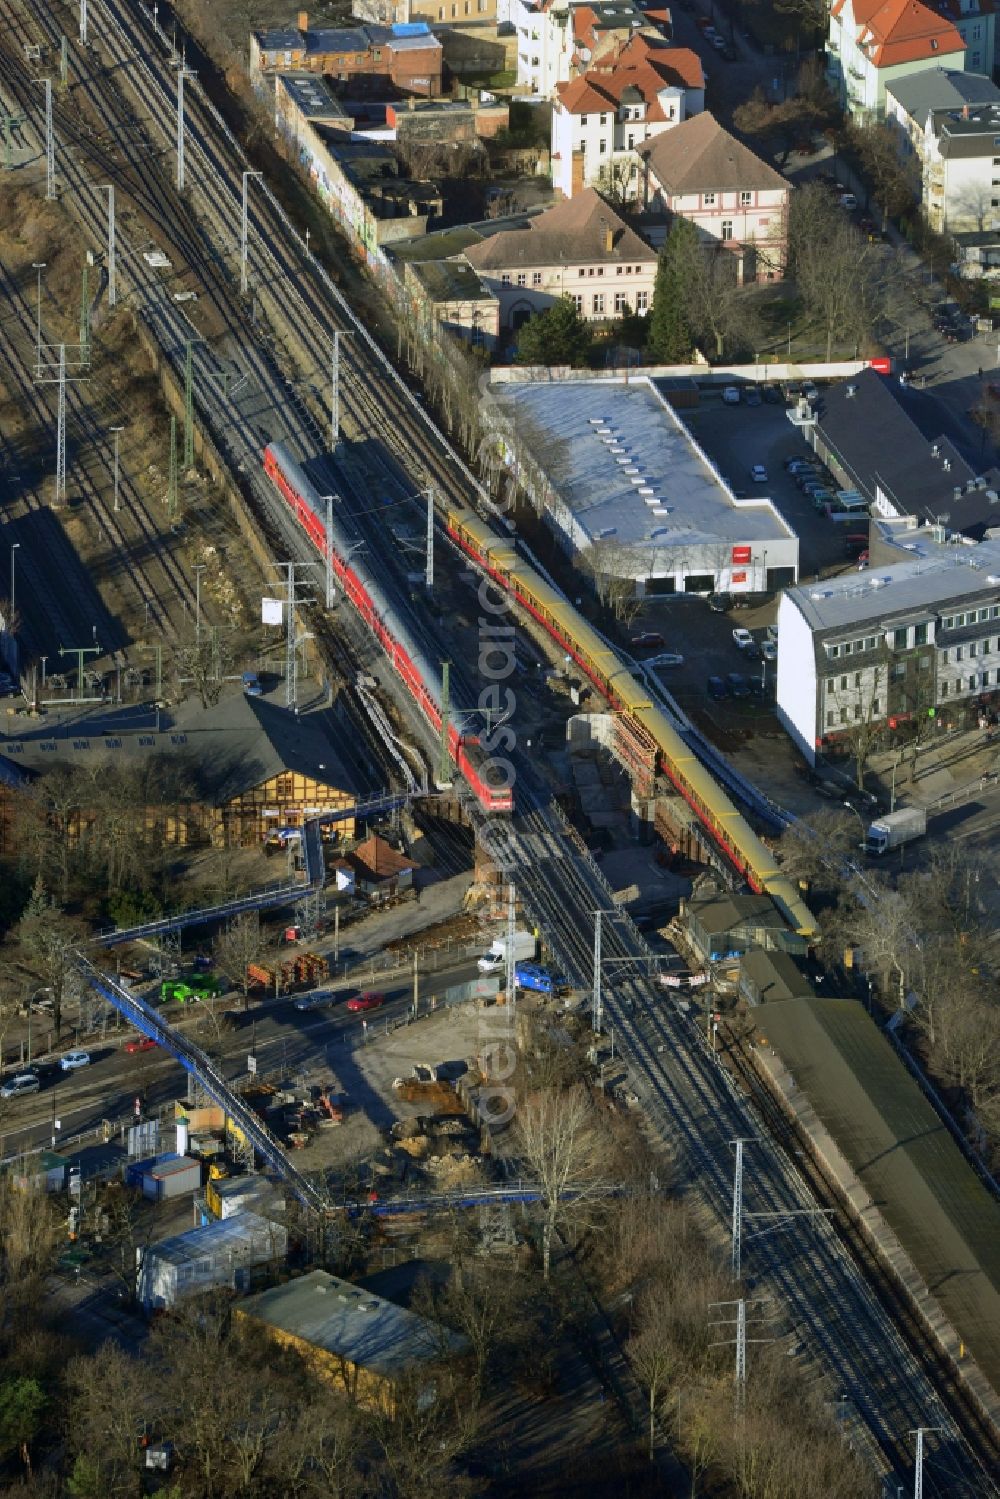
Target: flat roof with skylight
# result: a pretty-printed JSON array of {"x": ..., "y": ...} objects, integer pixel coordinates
[{"x": 626, "y": 468}]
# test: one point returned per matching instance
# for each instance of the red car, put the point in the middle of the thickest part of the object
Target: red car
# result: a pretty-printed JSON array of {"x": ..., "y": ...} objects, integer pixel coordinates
[
  {"x": 648, "y": 637},
  {"x": 141, "y": 1043},
  {"x": 366, "y": 1001}
]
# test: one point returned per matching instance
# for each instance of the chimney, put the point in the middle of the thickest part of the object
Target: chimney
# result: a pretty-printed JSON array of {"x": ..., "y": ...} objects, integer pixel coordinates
[
  {"x": 965, "y": 111},
  {"x": 303, "y": 20}
]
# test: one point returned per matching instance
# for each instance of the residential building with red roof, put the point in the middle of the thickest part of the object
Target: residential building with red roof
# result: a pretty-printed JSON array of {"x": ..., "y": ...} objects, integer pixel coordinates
[
  {"x": 602, "y": 116},
  {"x": 737, "y": 202},
  {"x": 557, "y": 39},
  {"x": 580, "y": 249},
  {"x": 874, "y": 42}
]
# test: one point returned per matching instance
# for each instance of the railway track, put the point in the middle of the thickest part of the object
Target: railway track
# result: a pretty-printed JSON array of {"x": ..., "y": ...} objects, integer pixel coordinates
[
  {"x": 891, "y": 1371},
  {"x": 151, "y": 197},
  {"x": 691, "y": 1099},
  {"x": 127, "y": 536}
]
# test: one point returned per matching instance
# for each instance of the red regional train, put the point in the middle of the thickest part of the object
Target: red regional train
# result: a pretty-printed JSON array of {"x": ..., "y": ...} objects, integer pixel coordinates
[{"x": 421, "y": 678}]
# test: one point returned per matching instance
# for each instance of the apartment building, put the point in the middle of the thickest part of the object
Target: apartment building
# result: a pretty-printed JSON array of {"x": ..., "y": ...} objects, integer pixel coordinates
[
  {"x": 872, "y": 43},
  {"x": 580, "y": 249},
  {"x": 556, "y": 38},
  {"x": 600, "y": 117},
  {"x": 915, "y": 638},
  {"x": 698, "y": 171},
  {"x": 948, "y": 125}
]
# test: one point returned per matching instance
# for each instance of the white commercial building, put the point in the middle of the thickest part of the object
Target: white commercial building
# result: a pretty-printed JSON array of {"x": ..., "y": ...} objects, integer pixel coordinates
[
  {"x": 908, "y": 639},
  {"x": 630, "y": 494}
]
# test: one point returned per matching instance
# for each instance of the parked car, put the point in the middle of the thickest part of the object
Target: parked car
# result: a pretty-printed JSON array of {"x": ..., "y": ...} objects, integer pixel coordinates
[
  {"x": 731, "y": 395},
  {"x": 769, "y": 651},
  {"x": 719, "y": 43},
  {"x": 742, "y": 637},
  {"x": 753, "y": 395},
  {"x": 797, "y": 465},
  {"x": 758, "y": 473},
  {"x": 72, "y": 1061},
  {"x": 251, "y": 684},
  {"x": 666, "y": 658},
  {"x": 648, "y": 638},
  {"x": 752, "y": 651},
  {"x": 319, "y": 999},
  {"x": 717, "y": 688},
  {"x": 20, "y": 1084},
  {"x": 737, "y": 684},
  {"x": 848, "y": 201},
  {"x": 719, "y": 602},
  {"x": 811, "y": 392},
  {"x": 140, "y": 1043},
  {"x": 366, "y": 1001},
  {"x": 772, "y": 395}
]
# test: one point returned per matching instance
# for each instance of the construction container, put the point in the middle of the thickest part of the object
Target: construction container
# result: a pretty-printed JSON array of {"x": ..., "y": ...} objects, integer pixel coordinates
[
  {"x": 239, "y": 1194},
  {"x": 205, "y": 1257},
  {"x": 165, "y": 1176}
]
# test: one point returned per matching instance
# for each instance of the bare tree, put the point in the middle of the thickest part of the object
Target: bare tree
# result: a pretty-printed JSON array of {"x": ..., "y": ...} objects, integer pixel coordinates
[
  {"x": 242, "y": 943},
  {"x": 29, "y": 1230},
  {"x": 812, "y": 846},
  {"x": 556, "y": 1135},
  {"x": 45, "y": 941},
  {"x": 854, "y": 710},
  {"x": 430, "y": 1418}
]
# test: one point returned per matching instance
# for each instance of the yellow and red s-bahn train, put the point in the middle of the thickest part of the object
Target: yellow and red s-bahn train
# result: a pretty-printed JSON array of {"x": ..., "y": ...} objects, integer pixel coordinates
[{"x": 499, "y": 557}]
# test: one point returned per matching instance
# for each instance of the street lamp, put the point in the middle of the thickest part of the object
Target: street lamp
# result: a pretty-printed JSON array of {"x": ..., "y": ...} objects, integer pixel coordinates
[
  {"x": 14, "y": 547},
  {"x": 852, "y": 808}
]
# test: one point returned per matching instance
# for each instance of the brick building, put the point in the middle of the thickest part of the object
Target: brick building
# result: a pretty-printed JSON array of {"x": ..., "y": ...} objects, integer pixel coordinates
[{"x": 369, "y": 58}]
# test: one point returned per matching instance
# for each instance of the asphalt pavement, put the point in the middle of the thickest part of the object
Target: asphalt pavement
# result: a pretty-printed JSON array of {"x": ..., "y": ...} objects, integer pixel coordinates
[{"x": 282, "y": 1038}]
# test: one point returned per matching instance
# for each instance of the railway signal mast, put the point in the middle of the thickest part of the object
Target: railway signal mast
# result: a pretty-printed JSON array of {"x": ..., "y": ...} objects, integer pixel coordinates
[
  {"x": 335, "y": 394},
  {"x": 244, "y": 228},
  {"x": 429, "y": 572},
  {"x": 112, "y": 288},
  {"x": 83, "y": 23},
  {"x": 10, "y": 123},
  {"x": 918, "y": 1474},
  {"x": 183, "y": 72},
  {"x": 50, "y": 141}
]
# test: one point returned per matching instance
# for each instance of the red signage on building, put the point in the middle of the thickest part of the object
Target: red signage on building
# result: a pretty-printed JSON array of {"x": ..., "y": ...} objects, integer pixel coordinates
[
  {"x": 881, "y": 366},
  {"x": 739, "y": 577},
  {"x": 741, "y": 554}
]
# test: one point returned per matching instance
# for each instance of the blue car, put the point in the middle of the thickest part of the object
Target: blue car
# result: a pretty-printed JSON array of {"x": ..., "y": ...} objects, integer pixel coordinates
[{"x": 251, "y": 684}]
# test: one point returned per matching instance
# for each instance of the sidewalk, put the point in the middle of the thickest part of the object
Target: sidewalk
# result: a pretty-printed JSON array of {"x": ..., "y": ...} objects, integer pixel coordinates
[{"x": 943, "y": 767}]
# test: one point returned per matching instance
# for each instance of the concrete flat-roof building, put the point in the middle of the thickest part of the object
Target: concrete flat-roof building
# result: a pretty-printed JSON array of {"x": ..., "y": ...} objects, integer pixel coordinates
[
  {"x": 629, "y": 491},
  {"x": 931, "y": 1216},
  {"x": 350, "y": 1337},
  {"x": 907, "y": 638}
]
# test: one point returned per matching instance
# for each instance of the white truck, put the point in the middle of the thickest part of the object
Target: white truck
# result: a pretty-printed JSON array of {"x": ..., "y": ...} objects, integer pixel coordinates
[
  {"x": 525, "y": 948},
  {"x": 895, "y": 829}
]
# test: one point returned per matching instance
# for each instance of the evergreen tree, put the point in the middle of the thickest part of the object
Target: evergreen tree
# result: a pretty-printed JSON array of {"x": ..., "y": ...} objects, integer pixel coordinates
[
  {"x": 669, "y": 339},
  {"x": 559, "y": 335}
]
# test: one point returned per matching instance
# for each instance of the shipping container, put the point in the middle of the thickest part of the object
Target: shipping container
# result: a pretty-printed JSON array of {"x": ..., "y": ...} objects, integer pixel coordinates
[{"x": 166, "y": 1176}]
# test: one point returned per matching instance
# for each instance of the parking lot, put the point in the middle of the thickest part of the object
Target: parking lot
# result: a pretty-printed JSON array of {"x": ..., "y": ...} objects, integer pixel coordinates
[{"x": 737, "y": 437}]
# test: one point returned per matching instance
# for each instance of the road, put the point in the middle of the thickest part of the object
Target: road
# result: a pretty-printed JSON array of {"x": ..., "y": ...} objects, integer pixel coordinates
[{"x": 281, "y": 1037}]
